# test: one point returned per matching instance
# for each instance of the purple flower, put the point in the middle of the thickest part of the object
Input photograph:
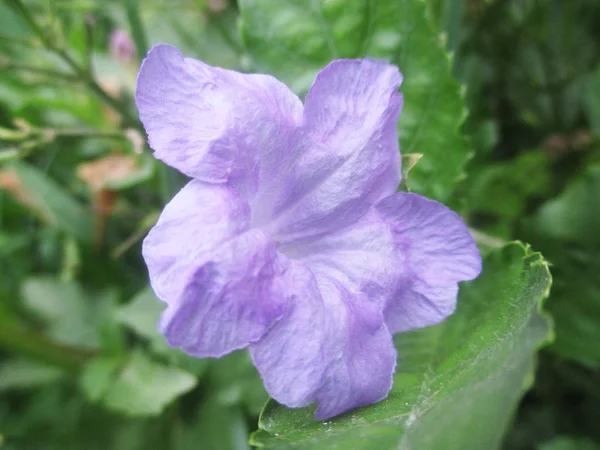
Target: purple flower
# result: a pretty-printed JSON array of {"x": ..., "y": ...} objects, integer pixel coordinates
[
  {"x": 291, "y": 239},
  {"x": 122, "y": 48}
]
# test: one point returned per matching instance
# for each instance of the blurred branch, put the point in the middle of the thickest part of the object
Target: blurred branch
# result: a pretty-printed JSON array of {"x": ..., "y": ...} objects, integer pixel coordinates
[
  {"x": 37, "y": 70},
  {"x": 20, "y": 41},
  {"x": 26, "y": 138},
  {"x": 84, "y": 75},
  {"x": 137, "y": 29},
  {"x": 137, "y": 236},
  {"x": 89, "y": 41},
  {"x": 19, "y": 339}
]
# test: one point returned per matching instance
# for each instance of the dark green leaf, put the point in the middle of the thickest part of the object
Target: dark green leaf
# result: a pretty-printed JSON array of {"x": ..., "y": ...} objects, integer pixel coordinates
[
  {"x": 215, "y": 427},
  {"x": 141, "y": 315},
  {"x": 73, "y": 315},
  {"x": 24, "y": 374},
  {"x": 566, "y": 229},
  {"x": 570, "y": 443}
]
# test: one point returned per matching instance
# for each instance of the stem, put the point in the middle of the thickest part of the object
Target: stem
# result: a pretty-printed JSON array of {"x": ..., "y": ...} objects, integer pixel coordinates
[
  {"x": 11, "y": 153},
  {"x": 137, "y": 29},
  {"x": 84, "y": 132},
  {"x": 23, "y": 341},
  {"x": 89, "y": 42},
  {"x": 39, "y": 70}
]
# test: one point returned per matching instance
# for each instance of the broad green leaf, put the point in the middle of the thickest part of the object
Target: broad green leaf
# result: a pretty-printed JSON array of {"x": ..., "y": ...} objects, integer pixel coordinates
[
  {"x": 98, "y": 376},
  {"x": 293, "y": 39},
  {"x": 141, "y": 315},
  {"x": 456, "y": 385},
  {"x": 25, "y": 374},
  {"x": 144, "y": 387},
  {"x": 53, "y": 203},
  {"x": 567, "y": 230},
  {"x": 570, "y": 443},
  {"x": 73, "y": 315}
]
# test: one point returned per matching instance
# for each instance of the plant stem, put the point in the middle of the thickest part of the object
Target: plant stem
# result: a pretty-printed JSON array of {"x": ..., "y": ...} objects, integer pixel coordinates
[
  {"x": 84, "y": 132},
  {"x": 39, "y": 70},
  {"x": 23, "y": 341}
]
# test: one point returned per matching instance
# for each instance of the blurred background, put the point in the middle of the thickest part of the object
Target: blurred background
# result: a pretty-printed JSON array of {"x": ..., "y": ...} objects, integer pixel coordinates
[{"x": 81, "y": 363}]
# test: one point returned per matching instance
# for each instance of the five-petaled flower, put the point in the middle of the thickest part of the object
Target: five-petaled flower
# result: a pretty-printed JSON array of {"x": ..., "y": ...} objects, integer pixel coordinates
[{"x": 291, "y": 239}]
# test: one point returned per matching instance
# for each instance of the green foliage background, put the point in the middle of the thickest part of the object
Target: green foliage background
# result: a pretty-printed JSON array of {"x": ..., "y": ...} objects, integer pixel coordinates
[{"x": 502, "y": 102}]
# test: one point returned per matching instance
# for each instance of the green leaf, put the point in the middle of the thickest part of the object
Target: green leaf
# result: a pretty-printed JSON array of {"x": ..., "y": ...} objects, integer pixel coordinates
[
  {"x": 574, "y": 215},
  {"x": 25, "y": 374},
  {"x": 141, "y": 315},
  {"x": 54, "y": 204},
  {"x": 456, "y": 385},
  {"x": 144, "y": 387},
  {"x": 566, "y": 230},
  {"x": 98, "y": 376},
  {"x": 293, "y": 39},
  {"x": 73, "y": 315},
  {"x": 504, "y": 188},
  {"x": 570, "y": 443}
]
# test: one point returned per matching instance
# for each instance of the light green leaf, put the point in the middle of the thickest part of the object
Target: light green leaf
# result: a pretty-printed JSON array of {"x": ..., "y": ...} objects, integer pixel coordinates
[
  {"x": 566, "y": 229},
  {"x": 73, "y": 315},
  {"x": 25, "y": 374},
  {"x": 141, "y": 315},
  {"x": 53, "y": 203},
  {"x": 293, "y": 39},
  {"x": 456, "y": 385},
  {"x": 144, "y": 387},
  {"x": 98, "y": 376}
]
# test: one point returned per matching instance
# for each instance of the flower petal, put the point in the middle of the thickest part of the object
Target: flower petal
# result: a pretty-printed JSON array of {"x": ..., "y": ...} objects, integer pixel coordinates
[
  {"x": 361, "y": 256},
  {"x": 213, "y": 124},
  {"x": 435, "y": 251},
  {"x": 219, "y": 278},
  {"x": 331, "y": 347},
  {"x": 350, "y": 158}
]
